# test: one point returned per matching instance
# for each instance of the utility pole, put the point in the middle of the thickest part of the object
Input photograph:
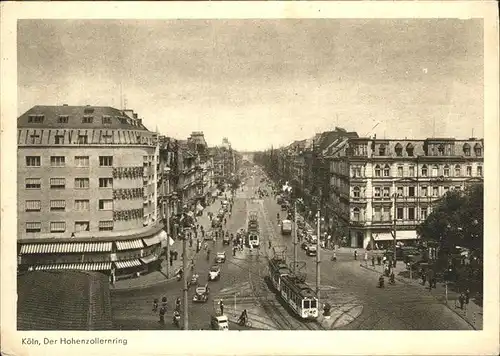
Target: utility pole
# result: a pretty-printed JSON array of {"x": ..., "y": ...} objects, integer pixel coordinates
[
  {"x": 184, "y": 274},
  {"x": 167, "y": 213},
  {"x": 318, "y": 255},
  {"x": 394, "y": 228},
  {"x": 295, "y": 227}
]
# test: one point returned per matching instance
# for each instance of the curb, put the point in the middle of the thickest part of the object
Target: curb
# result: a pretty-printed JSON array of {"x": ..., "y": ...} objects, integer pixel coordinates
[{"x": 166, "y": 281}]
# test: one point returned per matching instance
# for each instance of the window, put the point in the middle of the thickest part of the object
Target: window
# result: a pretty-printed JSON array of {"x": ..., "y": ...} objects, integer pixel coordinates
[
  {"x": 399, "y": 150},
  {"x": 57, "y": 205},
  {"x": 409, "y": 149},
  {"x": 59, "y": 139},
  {"x": 32, "y": 205},
  {"x": 87, "y": 119},
  {"x": 356, "y": 214},
  {"x": 33, "y": 161},
  {"x": 33, "y": 183},
  {"x": 377, "y": 192},
  {"x": 400, "y": 191},
  {"x": 411, "y": 171},
  {"x": 435, "y": 170},
  {"x": 446, "y": 171},
  {"x": 435, "y": 191},
  {"x": 458, "y": 187},
  {"x": 356, "y": 172},
  {"x": 387, "y": 192},
  {"x": 387, "y": 171},
  {"x": 424, "y": 171},
  {"x": 356, "y": 192},
  {"x": 57, "y": 161},
  {"x": 107, "y": 138},
  {"x": 106, "y": 120},
  {"x": 478, "y": 150},
  {"x": 377, "y": 171},
  {"x": 467, "y": 149},
  {"x": 411, "y": 213},
  {"x": 82, "y": 205},
  {"x": 36, "y": 119},
  {"x": 400, "y": 171},
  {"x": 469, "y": 171},
  {"x": 33, "y": 227},
  {"x": 57, "y": 183},
  {"x": 81, "y": 183},
  {"x": 57, "y": 226},
  {"x": 381, "y": 150},
  {"x": 82, "y": 139},
  {"x": 441, "y": 149},
  {"x": 424, "y": 191},
  {"x": 106, "y": 225},
  {"x": 399, "y": 213},
  {"x": 378, "y": 215},
  {"x": 446, "y": 190},
  {"x": 423, "y": 213},
  {"x": 82, "y": 161},
  {"x": 458, "y": 171},
  {"x": 411, "y": 191},
  {"x": 479, "y": 171},
  {"x": 63, "y": 119},
  {"x": 106, "y": 161},
  {"x": 82, "y": 226},
  {"x": 105, "y": 204},
  {"x": 105, "y": 182}
]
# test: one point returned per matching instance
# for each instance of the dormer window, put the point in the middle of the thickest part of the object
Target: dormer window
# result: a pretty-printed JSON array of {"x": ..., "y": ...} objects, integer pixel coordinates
[
  {"x": 106, "y": 120},
  {"x": 467, "y": 149},
  {"x": 381, "y": 150},
  {"x": 409, "y": 149},
  {"x": 87, "y": 119},
  {"x": 36, "y": 119},
  {"x": 399, "y": 150},
  {"x": 478, "y": 150},
  {"x": 63, "y": 119}
]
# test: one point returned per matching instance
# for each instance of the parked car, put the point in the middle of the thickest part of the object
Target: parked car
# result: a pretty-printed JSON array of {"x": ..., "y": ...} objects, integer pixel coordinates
[
  {"x": 220, "y": 257},
  {"x": 304, "y": 245},
  {"x": 219, "y": 322},
  {"x": 214, "y": 273},
  {"x": 311, "y": 250},
  {"x": 201, "y": 294}
]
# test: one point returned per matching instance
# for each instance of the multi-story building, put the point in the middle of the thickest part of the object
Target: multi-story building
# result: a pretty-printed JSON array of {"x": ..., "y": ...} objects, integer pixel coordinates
[
  {"x": 224, "y": 163},
  {"x": 169, "y": 180},
  {"x": 386, "y": 187},
  {"x": 87, "y": 190}
]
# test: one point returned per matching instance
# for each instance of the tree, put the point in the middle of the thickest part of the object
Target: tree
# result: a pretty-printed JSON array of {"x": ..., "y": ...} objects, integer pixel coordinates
[{"x": 456, "y": 221}]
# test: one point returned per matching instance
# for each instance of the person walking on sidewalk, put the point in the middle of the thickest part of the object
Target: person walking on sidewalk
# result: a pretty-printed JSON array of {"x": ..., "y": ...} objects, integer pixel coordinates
[
  {"x": 221, "y": 306},
  {"x": 423, "y": 276},
  {"x": 355, "y": 254},
  {"x": 365, "y": 258},
  {"x": 373, "y": 261}
]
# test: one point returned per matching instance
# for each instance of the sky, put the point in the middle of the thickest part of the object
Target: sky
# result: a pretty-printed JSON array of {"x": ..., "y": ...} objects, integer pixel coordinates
[{"x": 263, "y": 83}]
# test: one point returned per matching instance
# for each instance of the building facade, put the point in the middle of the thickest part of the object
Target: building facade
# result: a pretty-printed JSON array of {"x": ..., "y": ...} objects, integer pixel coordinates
[
  {"x": 386, "y": 187},
  {"x": 87, "y": 190}
]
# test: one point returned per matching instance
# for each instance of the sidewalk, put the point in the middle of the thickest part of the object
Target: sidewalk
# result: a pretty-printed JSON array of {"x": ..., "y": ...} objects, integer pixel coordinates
[
  {"x": 472, "y": 313},
  {"x": 160, "y": 277}
]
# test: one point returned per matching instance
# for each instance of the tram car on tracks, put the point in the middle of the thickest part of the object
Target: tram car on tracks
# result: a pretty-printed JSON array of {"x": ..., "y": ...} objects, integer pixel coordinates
[{"x": 296, "y": 293}]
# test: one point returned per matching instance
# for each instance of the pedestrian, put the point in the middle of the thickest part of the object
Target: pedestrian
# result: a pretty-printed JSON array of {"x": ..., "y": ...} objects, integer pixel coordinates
[
  {"x": 171, "y": 261},
  {"x": 234, "y": 250},
  {"x": 461, "y": 300},
  {"x": 365, "y": 257},
  {"x": 373, "y": 261},
  {"x": 423, "y": 277},
  {"x": 221, "y": 305},
  {"x": 379, "y": 260},
  {"x": 269, "y": 242},
  {"x": 225, "y": 221},
  {"x": 162, "y": 315},
  {"x": 191, "y": 242},
  {"x": 355, "y": 254},
  {"x": 467, "y": 297}
]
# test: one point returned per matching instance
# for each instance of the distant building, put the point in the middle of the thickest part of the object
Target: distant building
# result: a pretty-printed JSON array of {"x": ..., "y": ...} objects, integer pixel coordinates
[{"x": 87, "y": 190}]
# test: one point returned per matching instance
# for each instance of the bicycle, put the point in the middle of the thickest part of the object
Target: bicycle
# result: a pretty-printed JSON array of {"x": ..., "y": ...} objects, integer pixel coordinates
[{"x": 247, "y": 323}]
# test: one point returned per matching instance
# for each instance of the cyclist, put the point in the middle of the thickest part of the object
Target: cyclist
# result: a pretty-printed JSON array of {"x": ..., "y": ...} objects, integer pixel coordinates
[
  {"x": 243, "y": 317},
  {"x": 178, "y": 303}
]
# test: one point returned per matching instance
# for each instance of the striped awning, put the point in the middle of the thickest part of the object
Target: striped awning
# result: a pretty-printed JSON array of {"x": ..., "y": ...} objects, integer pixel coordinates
[
  {"x": 66, "y": 247},
  {"x": 149, "y": 259},
  {"x": 129, "y": 245},
  {"x": 153, "y": 240},
  {"x": 127, "y": 264},
  {"x": 98, "y": 266}
]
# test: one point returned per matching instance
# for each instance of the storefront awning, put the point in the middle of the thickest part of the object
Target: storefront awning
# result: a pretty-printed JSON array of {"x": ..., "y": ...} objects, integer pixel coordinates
[
  {"x": 99, "y": 266},
  {"x": 66, "y": 247},
  {"x": 129, "y": 245},
  {"x": 153, "y": 240},
  {"x": 149, "y": 259},
  {"x": 127, "y": 264},
  {"x": 400, "y": 235}
]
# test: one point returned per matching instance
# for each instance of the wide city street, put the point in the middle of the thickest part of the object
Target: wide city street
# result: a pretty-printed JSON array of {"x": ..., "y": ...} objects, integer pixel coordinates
[{"x": 352, "y": 291}]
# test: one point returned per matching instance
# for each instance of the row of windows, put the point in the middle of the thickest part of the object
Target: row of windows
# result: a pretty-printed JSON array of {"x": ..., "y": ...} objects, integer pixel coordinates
[
  {"x": 60, "y": 161},
  {"x": 63, "y": 119},
  {"x": 441, "y": 150},
  {"x": 424, "y": 171},
  {"x": 385, "y": 192},
  {"x": 60, "y": 226},
  {"x": 383, "y": 214},
  {"x": 60, "y": 205},
  {"x": 60, "y": 183}
]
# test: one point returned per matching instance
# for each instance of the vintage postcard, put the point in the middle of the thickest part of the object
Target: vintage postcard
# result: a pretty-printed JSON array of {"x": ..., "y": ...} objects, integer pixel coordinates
[{"x": 309, "y": 178}]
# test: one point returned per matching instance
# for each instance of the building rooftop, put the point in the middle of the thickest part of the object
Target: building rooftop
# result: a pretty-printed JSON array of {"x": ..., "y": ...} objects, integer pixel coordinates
[
  {"x": 63, "y": 300},
  {"x": 79, "y": 117}
]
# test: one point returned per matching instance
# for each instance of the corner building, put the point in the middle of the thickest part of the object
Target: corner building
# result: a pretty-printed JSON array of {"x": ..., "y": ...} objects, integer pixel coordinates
[{"x": 87, "y": 191}]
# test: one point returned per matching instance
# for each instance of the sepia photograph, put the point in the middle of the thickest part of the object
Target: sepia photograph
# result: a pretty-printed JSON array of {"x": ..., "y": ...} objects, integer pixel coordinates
[{"x": 249, "y": 174}]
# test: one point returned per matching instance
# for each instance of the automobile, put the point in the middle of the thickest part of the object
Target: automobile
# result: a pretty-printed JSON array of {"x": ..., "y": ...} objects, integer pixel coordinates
[
  {"x": 304, "y": 245},
  {"x": 311, "y": 250},
  {"x": 216, "y": 222},
  {"x": 312, "y": 239},
  {"x": 201, "y": 294},
  {"x": 219, "y": 322},
  {"x": 214, "y": 273},
  {"x": 220, "y": 257},
  {"x": 226, "y": 240}
]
